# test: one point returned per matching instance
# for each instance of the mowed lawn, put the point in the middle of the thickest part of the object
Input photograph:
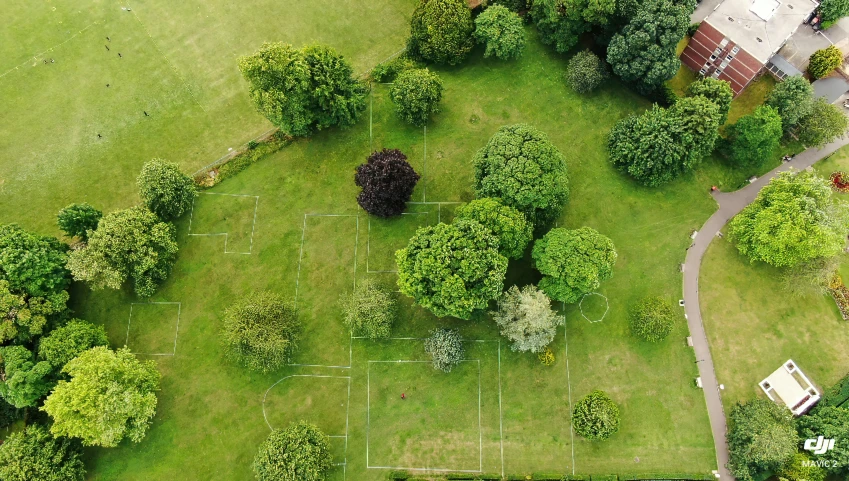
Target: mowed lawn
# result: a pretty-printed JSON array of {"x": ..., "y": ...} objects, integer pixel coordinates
[
  {"x": 755, "y": 324},
  {"x": 311, "y": 243},
  {"x": 178, "y": 63}
]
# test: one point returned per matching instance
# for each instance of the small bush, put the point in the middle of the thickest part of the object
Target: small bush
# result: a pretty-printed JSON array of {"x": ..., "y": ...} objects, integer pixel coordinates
[
  {"x": 652, "y": 319},
  {"x": 596, "y": 417},
  {"x": 300, "y": 452},
  {"x": 370, "y": 311},
  {"x": 261, "y": 332},
  {"x": 585, "y": 72},
  {"x": 825, "y": 61},
  {"x": 546, "y": 357},
  {"x": 416, "y": 94},
  {"x": 446, "y": 348},
  {"x": 77, "y": 219},
  {"x": 501, "y": 32}
]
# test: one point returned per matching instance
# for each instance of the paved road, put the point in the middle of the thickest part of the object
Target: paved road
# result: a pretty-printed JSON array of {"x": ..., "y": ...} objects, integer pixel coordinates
[{"x": 729, "y": 205}]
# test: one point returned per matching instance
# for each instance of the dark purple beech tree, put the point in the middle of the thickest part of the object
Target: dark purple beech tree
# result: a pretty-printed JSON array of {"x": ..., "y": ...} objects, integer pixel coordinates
[{"x": 388, "y": 181}]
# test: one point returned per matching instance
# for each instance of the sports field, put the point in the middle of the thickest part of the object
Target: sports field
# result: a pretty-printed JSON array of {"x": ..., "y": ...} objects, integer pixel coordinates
[{"x": 291, "y": 224}]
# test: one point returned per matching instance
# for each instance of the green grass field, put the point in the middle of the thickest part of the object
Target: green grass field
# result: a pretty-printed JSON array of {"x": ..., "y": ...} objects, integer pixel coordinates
[{"x": 292, "y": 226}]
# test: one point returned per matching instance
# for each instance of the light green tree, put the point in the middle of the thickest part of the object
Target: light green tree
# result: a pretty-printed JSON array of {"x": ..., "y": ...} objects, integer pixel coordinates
[
  {"x": 509, "y": 225},
  {"x": 32, "y": 264},
  {"x": 824, "y": 124},
  {"x": 717, "y": 91},
  {"x": 24, "y": 317},
  {"x": 761, "y": 438},
  {"x": 300, "y": 452},
  {"x": 165, "y": 190},
  {"x": 441, "y": 31},
  {"x": 573, "y": 262},
  {"x": 111, "y": 396},
  {"x": 526, "y": 318},
  {"x": 261, "y": 332},
  {"x": 652, "y": 319}
]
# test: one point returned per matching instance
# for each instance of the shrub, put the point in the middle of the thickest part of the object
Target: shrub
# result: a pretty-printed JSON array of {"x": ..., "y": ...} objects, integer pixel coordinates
[
  {"x": 33, "y": 454},
  {"x": 416, "y": 94},
  {"x": 652, "y": 319},
  {"x": 585, "y": 72},
  {"x": 261, "y": 332},
  {"x": 525, "y": 318},
  {"x": 370, "y": 311},
  {"x": 717, "y": 91},
  {"x": 793, "y": 99},
  {"x": 300, "y": 452},
  {"x": 506, "y": 223},
  {"x": 754, "y": 137},
  {"x": 823, "y": 124},
  {"x": 87, "y": 406},
  {"x": 76, "y": 220},
  {"x": 387, "y": 71},
  {"x": 546, "y": 357},
  {"x": 761, "y": 438},
  {"x": 521, "y": 167},
  {"x": 825, "y": 61},
  {"x": 801, "y": 468},
  {"x": 596, "y": 416},
  {"x": 129, "y": 244},
  {"x": 302, "y": 91},
  {"x": 387, "y": 180},
  {"x": 452, "y": 269},
  {"x": 445, "y": 346},
  {"x": 67, "y": 342},
  {"x": 31, "y": 263},
  {"x": 840, "y": 181},
  {"x": 501, "y": 31},
  {"x": 441, "y": 31},
  {"x": 23, "y": 381},
  {"x": 165, "y": 190},
  {"x": 573, "y": 262}
]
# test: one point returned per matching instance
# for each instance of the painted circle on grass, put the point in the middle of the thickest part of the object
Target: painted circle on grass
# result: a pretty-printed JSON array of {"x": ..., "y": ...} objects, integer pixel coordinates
[{"x": 592, "y": 315}]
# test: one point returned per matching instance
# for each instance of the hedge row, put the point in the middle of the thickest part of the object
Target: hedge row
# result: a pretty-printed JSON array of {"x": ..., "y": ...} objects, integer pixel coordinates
[
  {"x": 404, "y": 475},
  {"x": 836, "y": 395},
  {"x": 242, "y": 160}
]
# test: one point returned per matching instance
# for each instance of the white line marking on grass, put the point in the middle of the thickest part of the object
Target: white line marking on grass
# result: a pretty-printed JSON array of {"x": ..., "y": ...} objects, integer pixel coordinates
[
  {"x": 176, "y": 330},
  {"x": 480, "y": 426},
  {"x": 424, "y": 169},
  {"x": 569, "y": 383},
  {"x": 500, "y": 412},
  {"x": 300, "y": 258},
  {"x": 36, "y": 56},
  {"x": 368, "y": 244},
  {"x": 226, "y": 234},
  {"x": 370, "y": 119},
  {"x": 265, "y": 396}
]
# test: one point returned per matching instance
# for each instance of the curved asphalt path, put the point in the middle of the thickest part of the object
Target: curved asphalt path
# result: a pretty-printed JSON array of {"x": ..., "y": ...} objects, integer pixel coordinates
[{"x": 730, "y": 204}]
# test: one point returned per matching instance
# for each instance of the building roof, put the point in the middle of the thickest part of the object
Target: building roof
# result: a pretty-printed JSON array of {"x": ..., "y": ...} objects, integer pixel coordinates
[
  {"x": 712, "y": 54},
  {"x": 789, "y": 385},
  {"x": 831, "y": 88},
  {"x": 760, "y": 26}
]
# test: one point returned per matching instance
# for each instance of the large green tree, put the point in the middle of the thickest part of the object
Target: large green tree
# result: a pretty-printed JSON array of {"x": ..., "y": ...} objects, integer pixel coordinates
[
  {"x": 261, "y": 332},
  {"x": 794, "y": 219},
  {"x": 761, "y": 438},
  {"x": 501, "y": 31},
  {"x": 833, "y": 423},
  {"x": 717, "y": 91},
  {"x": 823, "y": 124},
  {"x": 69, "y": 341},
  {"x": 24, "y": 317},
  {"x": 34, "y": 455},
  {"x": 561, "y": 22},
  {"x": 132, "y": 244},
  {"x": 753, "y": 139},
  {"x": 509, "y": 225},
  {"x": 301, "y": 91},
  {"x": 644, "y": 53},
  {"x": 23, "y": 381},
  {"x": 573, "y": 262},
  {"x": 31, "y": 263},
  {"x": 521, "y": 167},
  {"x": 452, "y": 269},
  {"x": 833, "y": 10},
  {"x": 793, "y": 98},
  {"x": 300, "y": 452},
  {"x": 165, "y": 190},
  {"x": 111, "y": 396},
  {"x": 441, "y": 31},
  {"x": 416, "y": 94},
  {"x": 525, "y": 317}
]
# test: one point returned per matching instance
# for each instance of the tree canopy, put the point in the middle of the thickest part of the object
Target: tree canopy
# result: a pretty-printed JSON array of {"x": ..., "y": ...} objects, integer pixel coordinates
[
  {"x": 754, "y": 137},
  {"x": 33, "y": 454},
  {"x": 441, "y": 31},
  {"x": 825, "y": 61},
  {"x": 165, "y": 190},
  {"x": 833, "y": 423},
  {"x": 23, "y": 381},
  {"x": 793, "y": 220},
  {"x": 301, "y": 91},
  {"x": 387, "y": 180},
  {"x": 652, "y": 319},
  {"x": 31, "y": 263},
  {"x": 24, "y": 317},
  {"x": 823, "y": 124},
  {"x": 445, "y": 347},
  {"x": 573, "y": 262},
  {"x": 526, "y": 318},
  {"x": 761, "y": 438},
  {"x": 717, "y": 91},
  {"x": 801, "y": 468},
  {"x": 595, "y": 416},
  {"x": 521, "y": 167},
  {"x": 793, "y": 99},
  {"x": 132, "y": 244},
  {"x": 370, "y": 311},
  {"x": 111, "y": 395},
  {"x": 501, "y": 31},
  {"x": 452, "y": 269},
  {"x": 561, "y": 22},
  {"x": 509, "y": 225},
  {"x": 585, "y": 72},
  {"x": 76, "y": 220},
  {"x": 69, "y": 341},
  {"x": 261, "y": 332},
  {"x": 833, "y": 10},
  {"x": 300, "y": 452},
  {"x": 416, "y": 93},
  {"x": 644, "y": 53}
]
